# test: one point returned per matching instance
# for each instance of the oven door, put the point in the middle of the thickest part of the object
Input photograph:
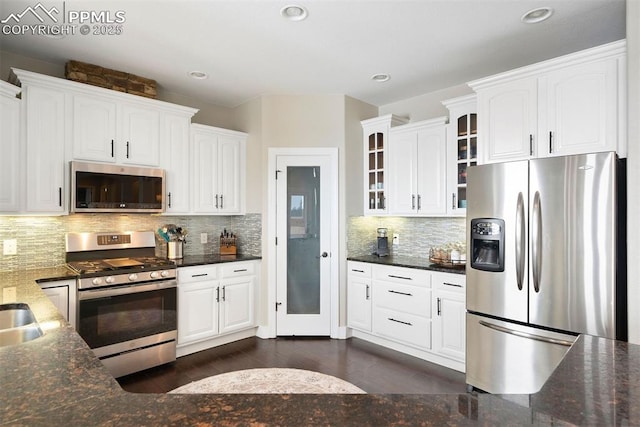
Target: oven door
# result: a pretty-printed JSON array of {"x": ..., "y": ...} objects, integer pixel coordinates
[{"x": 109, "y": 316}]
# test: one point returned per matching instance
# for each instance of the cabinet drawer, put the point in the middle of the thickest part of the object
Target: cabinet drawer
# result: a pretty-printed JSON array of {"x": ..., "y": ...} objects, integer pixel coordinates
[
  {"x": 409, "y": 276},
  {"x": 449, "y": 282},
  {"x": 359, "y": 269},
  {"x": 404, "y": 298},
  {"x": 197, "y": 273},
  {"x": 236, "y": 269},
  {"x": 402, "y": 327}
]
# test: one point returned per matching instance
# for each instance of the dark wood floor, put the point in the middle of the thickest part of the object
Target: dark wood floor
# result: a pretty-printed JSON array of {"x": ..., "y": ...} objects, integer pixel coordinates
[{"x": 373, "y": 368}]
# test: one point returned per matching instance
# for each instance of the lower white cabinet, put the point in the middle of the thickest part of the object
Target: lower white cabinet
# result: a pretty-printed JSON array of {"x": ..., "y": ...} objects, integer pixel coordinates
[
  {"x": 62, "y": 294},
  {"x": 416, "y": 311},
  {"x": 215, "y": 300}
]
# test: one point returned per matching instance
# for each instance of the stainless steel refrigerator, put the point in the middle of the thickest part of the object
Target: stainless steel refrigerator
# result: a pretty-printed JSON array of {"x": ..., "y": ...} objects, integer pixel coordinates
[{"x": 546, "y": 255}]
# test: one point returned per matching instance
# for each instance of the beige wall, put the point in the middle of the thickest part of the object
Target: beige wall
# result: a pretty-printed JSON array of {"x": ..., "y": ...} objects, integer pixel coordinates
[{"x": 633, "y": 167}]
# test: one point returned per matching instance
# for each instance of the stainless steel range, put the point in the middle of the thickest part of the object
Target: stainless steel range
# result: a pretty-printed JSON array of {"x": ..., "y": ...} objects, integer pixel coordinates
[{"x": 127, "y": 299}]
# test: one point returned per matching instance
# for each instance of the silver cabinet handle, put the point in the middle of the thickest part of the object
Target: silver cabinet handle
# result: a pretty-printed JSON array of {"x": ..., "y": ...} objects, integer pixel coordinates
[
  {"x": 357, "y": 271},
  {"x": 239, "y": 271},
  {"x": 221, "y": 202},
  {"x": 550, "y": 142},
  {"x": 453, "y": 200},
  {"x": 413, "y": 201},
  {"x": 399, "y": 321},
  {"x": 169, "y": 197},
  {"x": 218, "y": 294},
  {"x": 439, "y": 307},
  {"x": 224, "y": 293},
  {"x": 216, "y": 201},
  {"x": 526, "y": 334},
  {"x": 531, "y": 144},
  {"x": 536, "y": 241},
  {"x": 200, "y": 275},
  {"x": 520, "y": 241},
  {"x": 367, "y": 296},
  {"x": 452, "y": 284},
  {"x": 399, "y": 277},
  {"x": 419, "y": 203},
  {"x": 391, "y": 291},
  {"x": 127, "y": 149}
]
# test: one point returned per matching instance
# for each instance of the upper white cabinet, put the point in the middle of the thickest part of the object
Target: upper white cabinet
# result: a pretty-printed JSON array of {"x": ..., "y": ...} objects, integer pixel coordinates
[
  {"x": 462, "y": 150},
  {"x": 94, "y": 128},
  {"x": 218, "y": 170},
  {"x": 10, "y": 161},
  {"x": 569, "y": 105},
  {"x": 417, "y": 168},
  {"x": 376, "y": 138},
  {"x": 174, "y": 159},
  {"x": 139, "y": 133}
]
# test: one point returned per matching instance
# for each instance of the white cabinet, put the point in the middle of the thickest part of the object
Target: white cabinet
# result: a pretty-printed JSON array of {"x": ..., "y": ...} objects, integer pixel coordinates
[
  {"x": 62, "y": 294},
  {"x": 116, "y": 132},
  {"x": 402, "y": 305},
  {"x": 218, "y": 167},
  {"x": 462, "y": 150},
  {"x": 44, "y": 114},
  {"x": 376, "y": 142},
  {"x": 569, "y": 105},
  {"x": 174, "y": 159},
  {"x": 359, "y": 295},
  {"x": 417, "y": 168},
  {"x": 214, "y": 300},
  {"x": 10, "y": 161},
  {"x": 449, "y": 308}
]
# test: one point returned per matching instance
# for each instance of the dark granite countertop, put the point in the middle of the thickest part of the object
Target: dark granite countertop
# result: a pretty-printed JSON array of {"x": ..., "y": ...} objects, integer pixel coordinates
[
  {"x": 191, "y": 260},
  {"x": 55, "y": 380},
  {"x": 404, "y": 261}
]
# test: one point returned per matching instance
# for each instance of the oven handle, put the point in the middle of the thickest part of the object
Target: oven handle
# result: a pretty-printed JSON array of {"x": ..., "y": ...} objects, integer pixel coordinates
[{"x": 85, "y": 295}]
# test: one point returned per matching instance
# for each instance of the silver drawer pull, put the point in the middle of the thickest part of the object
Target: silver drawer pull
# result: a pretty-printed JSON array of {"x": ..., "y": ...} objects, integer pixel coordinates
[
  {"x": 357, "y": 271},
  {"x": 200, "y": 275},
  {"x": 239, "y": 271},
  {"x": 452, "y": 284},
  {"x": 399, "y": 321},
  {"x": 399, "y": 293},
  {"x": 400, "y": 277}
]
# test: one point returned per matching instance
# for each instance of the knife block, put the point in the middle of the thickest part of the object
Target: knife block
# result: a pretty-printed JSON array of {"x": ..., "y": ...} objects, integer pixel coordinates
[{"x": 228, "y": 245}]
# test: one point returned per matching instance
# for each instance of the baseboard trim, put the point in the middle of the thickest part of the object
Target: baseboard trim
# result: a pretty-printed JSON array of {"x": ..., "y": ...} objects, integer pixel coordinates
[{"x": 186, "y": 349}]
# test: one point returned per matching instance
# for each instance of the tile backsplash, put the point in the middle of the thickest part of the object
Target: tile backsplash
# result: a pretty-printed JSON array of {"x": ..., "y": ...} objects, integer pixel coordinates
[
  {"x": 41, "y": 239},
  {"x": 417, "y": 235}
]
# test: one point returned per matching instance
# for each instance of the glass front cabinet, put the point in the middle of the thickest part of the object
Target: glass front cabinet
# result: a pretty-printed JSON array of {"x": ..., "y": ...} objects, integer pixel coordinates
[
  {"x": 462, "y": 150},
  {"x": 376, "y": 137}
]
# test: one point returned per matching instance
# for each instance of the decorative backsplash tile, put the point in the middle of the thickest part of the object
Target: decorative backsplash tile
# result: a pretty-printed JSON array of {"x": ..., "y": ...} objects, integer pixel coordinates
[
  {"x": 417, "y": 235},
  {"x": 41, "y": 239}
]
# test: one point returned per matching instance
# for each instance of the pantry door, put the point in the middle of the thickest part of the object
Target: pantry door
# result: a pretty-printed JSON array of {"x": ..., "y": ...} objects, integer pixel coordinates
[{"x": 304, "y": 240}]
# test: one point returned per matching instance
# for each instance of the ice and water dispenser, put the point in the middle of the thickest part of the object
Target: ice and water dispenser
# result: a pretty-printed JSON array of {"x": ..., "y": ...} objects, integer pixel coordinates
[{"x": 487, "y": 244}]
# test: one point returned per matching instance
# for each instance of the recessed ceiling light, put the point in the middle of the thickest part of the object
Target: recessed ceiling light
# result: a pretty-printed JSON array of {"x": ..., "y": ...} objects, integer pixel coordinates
[
  {"x": 381, "y": 77},
  {"x": 199, "y": 75},
  {"x": 537, "y": 15},
  {"x": 294, "y": 12}
]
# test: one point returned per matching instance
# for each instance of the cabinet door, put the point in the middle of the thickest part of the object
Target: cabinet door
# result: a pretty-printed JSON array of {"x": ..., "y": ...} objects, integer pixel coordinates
[
  {"x": 449, "y": 328},
  {"x": 139, "y": 138},
  {"x": 204, "y": 151},
  {"x": 578, "y": 109},
  {"x": 402, "y": 173},
  {"x": 197, "y": 311},
  {"x": 359, "y": 303},
  {"x": 10, "y": 160},
  {"x": 175, "y": 162},
  {"x": 59, "y": 296},
  {"x": 508, "y": 120},
  {"x": 45, "y": 139},
  {"x": 432, "y": 171},
  {"x": 229, "y": 175},
  {"x": 94, "y": 129},
  {"x": 237, "y": 304}
]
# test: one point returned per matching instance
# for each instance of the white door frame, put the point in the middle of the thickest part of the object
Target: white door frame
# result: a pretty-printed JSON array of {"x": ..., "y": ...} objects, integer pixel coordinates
[{"x": 332, "y": 153}]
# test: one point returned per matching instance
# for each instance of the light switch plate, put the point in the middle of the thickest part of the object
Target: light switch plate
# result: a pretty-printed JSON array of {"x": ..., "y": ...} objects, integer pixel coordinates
[
  {"x": 396, "y": 239},
  {"x": 203, "y": 237},
  {"x": 10, "y": 247}
]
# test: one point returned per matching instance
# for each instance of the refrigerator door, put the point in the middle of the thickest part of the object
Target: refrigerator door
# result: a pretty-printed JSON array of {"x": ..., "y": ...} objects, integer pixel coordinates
[
  {"x": 572, "y": 243},
  {"x": 507, "y": 358},
  {"x": 499, "y": 191}
]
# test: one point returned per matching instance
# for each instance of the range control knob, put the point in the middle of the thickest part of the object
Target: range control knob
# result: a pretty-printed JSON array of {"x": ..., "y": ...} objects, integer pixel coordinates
[
  {"x": 110, "y": 279},
  {"x": 97, "y": 281},
  {"x": 155, "y": 275},
  {"x": 165, "y": 273},
  {"x": 133, "y": 277}
]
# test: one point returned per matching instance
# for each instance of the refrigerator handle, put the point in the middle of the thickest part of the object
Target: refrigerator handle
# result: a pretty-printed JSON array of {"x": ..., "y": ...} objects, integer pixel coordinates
[
  {"x": 526, "y": 334},
  {"x": 520, "y": 241},
  {"x": 536, "y": 241}
]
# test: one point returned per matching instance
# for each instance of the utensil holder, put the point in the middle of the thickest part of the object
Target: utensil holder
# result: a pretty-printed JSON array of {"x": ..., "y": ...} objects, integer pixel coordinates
[{"x": 174, "y": 250}]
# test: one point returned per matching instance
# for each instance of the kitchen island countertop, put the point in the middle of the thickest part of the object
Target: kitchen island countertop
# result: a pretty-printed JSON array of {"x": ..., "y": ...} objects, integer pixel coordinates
[{"x": 56, "y": 380}]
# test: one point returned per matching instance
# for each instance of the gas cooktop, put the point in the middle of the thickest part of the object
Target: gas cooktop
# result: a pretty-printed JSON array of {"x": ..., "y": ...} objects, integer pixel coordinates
[{"x": 118, "y": 265}]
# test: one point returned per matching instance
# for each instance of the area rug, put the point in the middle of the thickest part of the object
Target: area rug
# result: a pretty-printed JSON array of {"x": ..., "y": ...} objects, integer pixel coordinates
[{"x": 270, "y": 381}]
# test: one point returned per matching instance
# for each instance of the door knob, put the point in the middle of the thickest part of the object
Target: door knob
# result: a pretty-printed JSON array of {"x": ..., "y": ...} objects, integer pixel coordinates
[{"x": 324, "y": 254}]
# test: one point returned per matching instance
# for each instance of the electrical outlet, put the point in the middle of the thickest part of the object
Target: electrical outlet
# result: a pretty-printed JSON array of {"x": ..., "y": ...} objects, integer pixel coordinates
[
  {"x": 10, "y": 247},
  {"x": 396, "y": 239},
  {"x": 203, "y": 237},
  {"x": 9, "y": 295}
]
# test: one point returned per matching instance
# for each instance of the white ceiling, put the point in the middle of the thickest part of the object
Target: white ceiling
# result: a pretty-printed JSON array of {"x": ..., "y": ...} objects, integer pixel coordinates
[{"x": 249, "y": 50}]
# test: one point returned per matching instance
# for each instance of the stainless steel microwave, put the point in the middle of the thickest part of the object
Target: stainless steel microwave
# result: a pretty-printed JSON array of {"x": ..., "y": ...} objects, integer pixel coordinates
[{"x": 97, "y": 187}]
